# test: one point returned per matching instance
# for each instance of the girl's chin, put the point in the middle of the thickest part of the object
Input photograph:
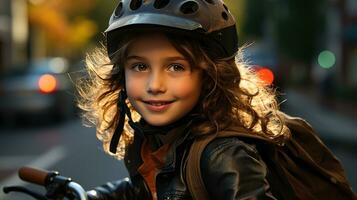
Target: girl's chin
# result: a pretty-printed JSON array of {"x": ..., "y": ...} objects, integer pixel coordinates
[{"x": 159, "y": 121}]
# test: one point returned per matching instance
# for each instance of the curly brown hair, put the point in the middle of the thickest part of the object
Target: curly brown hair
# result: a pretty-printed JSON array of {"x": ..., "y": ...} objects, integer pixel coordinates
[{"x": 232, "y": 94}]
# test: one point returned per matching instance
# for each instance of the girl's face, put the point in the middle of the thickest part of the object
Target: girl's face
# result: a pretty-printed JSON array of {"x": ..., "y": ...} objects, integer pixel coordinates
[{"x": 160, "y": 83}]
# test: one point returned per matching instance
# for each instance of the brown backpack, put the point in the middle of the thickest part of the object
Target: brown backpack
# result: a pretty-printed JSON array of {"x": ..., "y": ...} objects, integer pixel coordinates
[{"x": 304, "y": 168}]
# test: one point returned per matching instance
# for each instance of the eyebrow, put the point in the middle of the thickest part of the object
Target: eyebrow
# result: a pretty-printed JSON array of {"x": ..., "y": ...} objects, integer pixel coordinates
[{"x": 173, "y": 58}]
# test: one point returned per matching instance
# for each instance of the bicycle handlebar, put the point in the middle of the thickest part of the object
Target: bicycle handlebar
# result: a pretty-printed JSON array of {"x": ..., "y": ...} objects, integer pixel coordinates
[
  {"x": 51, "y": 180},
  {"x": 36, "y": 176}
]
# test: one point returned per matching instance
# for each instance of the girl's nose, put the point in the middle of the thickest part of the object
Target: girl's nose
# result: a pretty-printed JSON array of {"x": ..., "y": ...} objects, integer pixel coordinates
[{"x": 156, "y": 83}]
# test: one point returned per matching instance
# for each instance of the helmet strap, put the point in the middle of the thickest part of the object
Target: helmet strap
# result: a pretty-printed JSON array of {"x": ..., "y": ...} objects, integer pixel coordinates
[{"x": 124, "y": 110}]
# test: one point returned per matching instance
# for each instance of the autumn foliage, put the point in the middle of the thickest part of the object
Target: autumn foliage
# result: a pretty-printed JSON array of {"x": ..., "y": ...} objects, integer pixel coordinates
[{"x": 64, "y": 23}]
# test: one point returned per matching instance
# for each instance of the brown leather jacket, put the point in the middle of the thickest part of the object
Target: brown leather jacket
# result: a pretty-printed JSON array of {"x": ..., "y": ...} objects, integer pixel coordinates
[{"x": 231, "y": 169}]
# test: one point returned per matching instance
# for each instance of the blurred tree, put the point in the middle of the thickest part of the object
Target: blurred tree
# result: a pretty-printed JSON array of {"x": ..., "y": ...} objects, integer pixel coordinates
[
  {"x": 101, "y": 14},
  {"x": 68, "y": 26},
  {"x": 299, "y": 26},
  {"x": 255, "y": 12}
]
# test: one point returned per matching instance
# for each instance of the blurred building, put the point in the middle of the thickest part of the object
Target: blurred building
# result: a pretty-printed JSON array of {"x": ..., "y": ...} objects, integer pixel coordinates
[
  {"x": 349, "y": 41},
  {"x": 13, "y": 33},
  {"x": 341, "y": 39},
  {"x": 5, "y": 33},
  {"x": 338, "y": 37}
]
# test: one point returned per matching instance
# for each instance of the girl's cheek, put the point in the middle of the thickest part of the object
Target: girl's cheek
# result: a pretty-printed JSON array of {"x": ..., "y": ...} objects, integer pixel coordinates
[
  {"x": 185, "y": 90},
  {"x": 188, "y": 88},
  {"x": 133, "y": 88}
]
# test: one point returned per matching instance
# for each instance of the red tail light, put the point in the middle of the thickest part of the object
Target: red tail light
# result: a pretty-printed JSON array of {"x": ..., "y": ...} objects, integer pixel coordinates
[
  {"x": 265, "y": 74},
  {"x": 47, "y": 83}
]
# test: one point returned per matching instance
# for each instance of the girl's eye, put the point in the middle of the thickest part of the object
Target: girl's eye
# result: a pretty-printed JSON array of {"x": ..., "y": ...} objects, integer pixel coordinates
[
  {"x": 176, "y": 68},
  {"x": 139, "y": 67}
]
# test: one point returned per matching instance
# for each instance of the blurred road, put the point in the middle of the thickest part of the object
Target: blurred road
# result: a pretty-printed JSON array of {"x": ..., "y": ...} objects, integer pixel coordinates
[
  {"x": 69, "y": 148},
  {"x": 74, "y": 151}
]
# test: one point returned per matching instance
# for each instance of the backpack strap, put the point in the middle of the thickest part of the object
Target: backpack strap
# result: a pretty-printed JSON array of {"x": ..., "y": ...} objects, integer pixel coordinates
[{"x": 193, "y": 171}]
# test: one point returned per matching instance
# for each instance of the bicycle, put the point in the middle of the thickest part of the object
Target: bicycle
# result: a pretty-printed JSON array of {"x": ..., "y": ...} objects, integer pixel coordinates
[{"x": 57, "y": 187}]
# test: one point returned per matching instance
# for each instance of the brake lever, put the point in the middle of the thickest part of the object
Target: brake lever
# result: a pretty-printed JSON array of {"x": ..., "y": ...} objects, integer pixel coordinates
[{"x": 35, "y": 195}]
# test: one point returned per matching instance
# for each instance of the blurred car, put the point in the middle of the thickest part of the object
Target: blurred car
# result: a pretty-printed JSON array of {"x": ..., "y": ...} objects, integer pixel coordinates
[{"x": 40, "y": 88}]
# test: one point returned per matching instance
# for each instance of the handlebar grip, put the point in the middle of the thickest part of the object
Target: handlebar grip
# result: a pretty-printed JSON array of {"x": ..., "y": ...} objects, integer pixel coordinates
[{"x": 33, "y": 175}]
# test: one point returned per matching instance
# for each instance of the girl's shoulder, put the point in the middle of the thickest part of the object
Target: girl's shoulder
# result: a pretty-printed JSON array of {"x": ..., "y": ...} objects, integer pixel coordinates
[
  {"x": 228, "y": 162},
  {"x": 229, "y": 147},
  {"x": 231, "y": 143},
  {"x": 222, "y": 163}
]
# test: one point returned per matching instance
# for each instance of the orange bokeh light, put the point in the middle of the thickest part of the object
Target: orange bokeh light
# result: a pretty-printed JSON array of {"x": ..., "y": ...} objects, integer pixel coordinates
[
  {"x": 266, "y": 75},
  {"x": 47, "y": 83}
]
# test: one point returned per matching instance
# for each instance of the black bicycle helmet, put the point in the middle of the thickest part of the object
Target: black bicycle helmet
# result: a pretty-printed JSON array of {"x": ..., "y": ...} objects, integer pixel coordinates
[{"x": 207, "y": 20}]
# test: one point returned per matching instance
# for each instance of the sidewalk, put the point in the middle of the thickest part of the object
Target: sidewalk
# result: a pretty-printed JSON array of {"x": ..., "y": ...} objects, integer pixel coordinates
[{"x": 335, "y": 124}]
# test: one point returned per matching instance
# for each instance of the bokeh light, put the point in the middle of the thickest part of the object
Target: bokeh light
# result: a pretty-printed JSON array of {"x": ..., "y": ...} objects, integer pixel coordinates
[
  {"x": 47, "y": 83},
  {"x": 266, "y": 75},
  {"x": 326, "y": 59}
]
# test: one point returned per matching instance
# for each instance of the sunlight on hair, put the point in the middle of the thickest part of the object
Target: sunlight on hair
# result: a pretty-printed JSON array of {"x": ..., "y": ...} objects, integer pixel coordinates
[
  {"x": 263, "y": 102},
  {"x": 248, "y": 100}
]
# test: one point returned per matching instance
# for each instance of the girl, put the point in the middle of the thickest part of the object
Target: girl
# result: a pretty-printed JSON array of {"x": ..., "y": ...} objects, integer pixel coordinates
[{"x": 171, "y": 73}]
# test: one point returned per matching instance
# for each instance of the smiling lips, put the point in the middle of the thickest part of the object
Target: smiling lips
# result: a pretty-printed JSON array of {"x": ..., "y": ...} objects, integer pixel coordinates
[{"x": 157, "y": 106}]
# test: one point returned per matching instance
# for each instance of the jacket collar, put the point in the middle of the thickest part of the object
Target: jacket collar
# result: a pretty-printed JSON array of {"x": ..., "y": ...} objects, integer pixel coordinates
[{"x": 176, "y": 136}]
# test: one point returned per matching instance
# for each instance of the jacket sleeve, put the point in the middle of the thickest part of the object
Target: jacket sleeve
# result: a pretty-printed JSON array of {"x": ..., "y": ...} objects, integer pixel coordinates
[
  {"x": 122, "y": 189},
  {"x": 232, "y": 169}
]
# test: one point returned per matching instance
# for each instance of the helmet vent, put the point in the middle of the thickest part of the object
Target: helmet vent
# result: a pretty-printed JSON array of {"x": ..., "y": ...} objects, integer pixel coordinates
[
  {"x": 118, "y": 9},
  {"x": 189, "y": 7},
  {"x": 225, "y": 7},
  {"x": 135, "y": 4},
  {"x": 210, "y": 1},
  {"x": 225, "y": 16},
  {"x": 161, "y": 3}
]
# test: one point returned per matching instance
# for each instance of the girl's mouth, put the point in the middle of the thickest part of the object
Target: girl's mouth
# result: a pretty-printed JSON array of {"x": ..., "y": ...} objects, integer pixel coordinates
[{"x": 157, "y": 106}]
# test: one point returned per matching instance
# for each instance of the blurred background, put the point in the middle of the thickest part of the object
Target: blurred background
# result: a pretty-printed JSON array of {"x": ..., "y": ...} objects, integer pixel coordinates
[{"x": 306, "y": 49}]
